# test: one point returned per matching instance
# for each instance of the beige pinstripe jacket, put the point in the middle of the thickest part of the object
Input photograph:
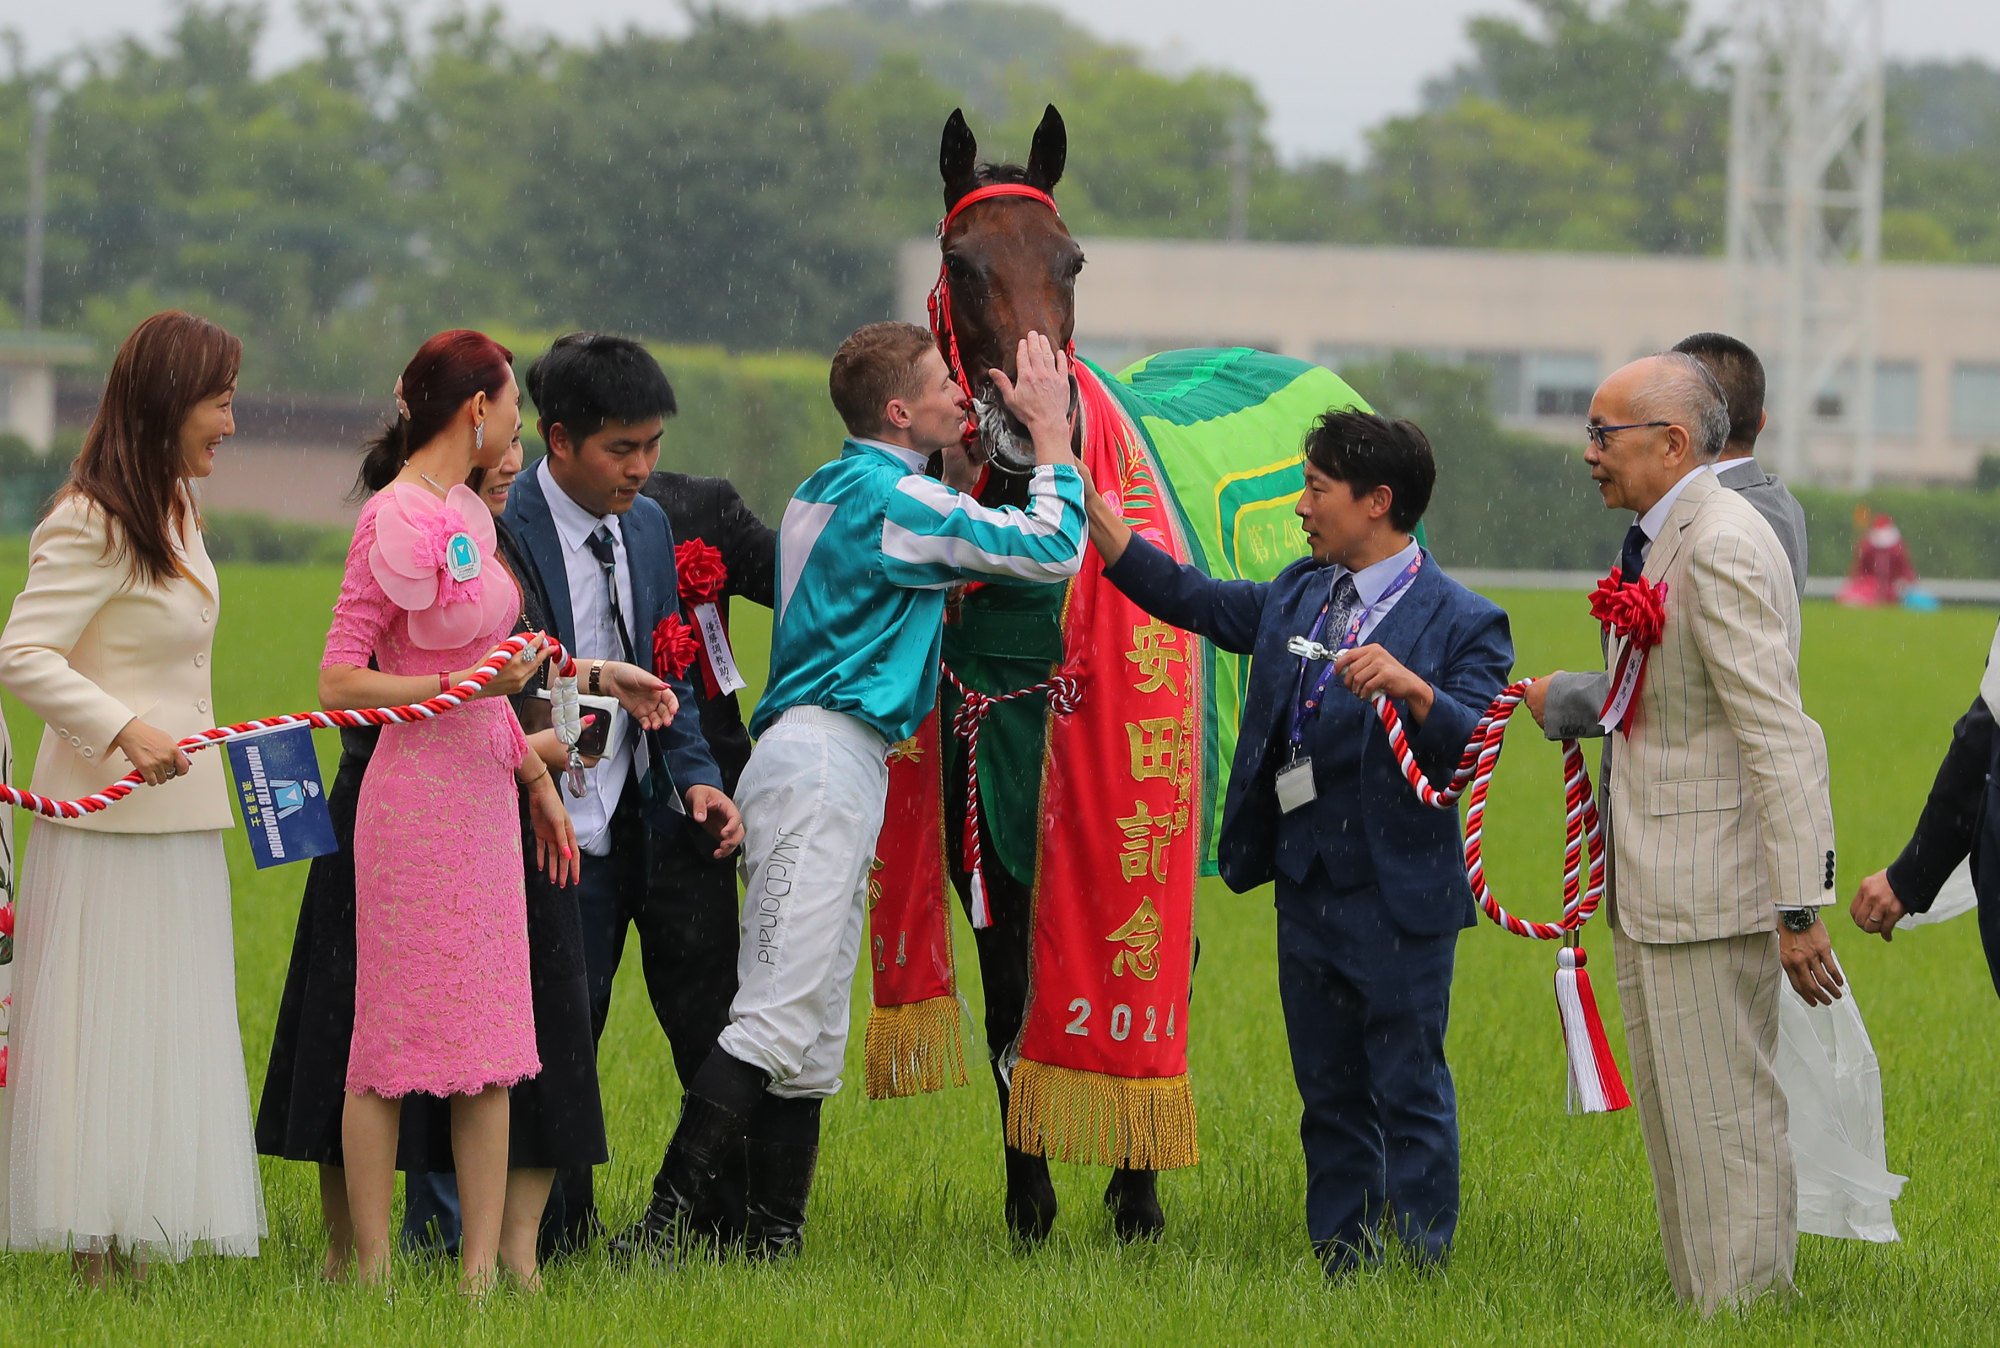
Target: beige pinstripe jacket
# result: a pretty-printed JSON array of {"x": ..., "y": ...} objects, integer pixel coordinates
[{"x": 1718, "y": 799}]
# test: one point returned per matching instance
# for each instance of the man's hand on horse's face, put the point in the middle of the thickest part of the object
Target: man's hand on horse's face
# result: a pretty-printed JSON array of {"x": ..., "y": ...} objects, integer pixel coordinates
[{"x": 1038, "y": 395}]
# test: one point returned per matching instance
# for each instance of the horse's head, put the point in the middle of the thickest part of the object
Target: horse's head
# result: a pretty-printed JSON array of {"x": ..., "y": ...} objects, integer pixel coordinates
[{"x": 1009, "y": 268}]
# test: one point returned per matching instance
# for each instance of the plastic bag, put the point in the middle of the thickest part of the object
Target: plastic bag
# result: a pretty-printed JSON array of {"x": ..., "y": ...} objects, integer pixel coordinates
[
  {"x": 1833, "y": 1087},
  {"x": 1954, "y": 900}
]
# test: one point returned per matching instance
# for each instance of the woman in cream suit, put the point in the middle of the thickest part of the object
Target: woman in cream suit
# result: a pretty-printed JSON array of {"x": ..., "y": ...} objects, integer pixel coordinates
[{"x": 127, "y": 1116}]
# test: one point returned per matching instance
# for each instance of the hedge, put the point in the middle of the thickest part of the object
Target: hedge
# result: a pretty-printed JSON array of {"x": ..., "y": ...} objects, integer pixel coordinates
[{"x": 1504, "y": 499}]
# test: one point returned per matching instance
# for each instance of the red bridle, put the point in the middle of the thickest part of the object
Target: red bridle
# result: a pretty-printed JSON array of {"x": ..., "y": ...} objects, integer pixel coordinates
[{"x": 939, "y": 302}]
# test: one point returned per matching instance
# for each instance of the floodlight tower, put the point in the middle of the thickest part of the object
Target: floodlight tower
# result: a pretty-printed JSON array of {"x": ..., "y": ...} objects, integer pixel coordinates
[{"x": 1805, "y": 220}]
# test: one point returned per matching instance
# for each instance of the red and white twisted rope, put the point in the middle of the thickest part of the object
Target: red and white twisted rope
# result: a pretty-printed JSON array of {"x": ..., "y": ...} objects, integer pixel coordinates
[
  {"x": 1583, "y": 831},
  {"x": 457, "y": 696},
  {"x": 1064, "y": 695}
]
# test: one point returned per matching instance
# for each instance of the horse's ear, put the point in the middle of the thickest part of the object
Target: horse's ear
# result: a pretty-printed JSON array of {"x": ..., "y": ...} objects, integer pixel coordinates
[
  {"x": 1051, "y": 148},
  {"x": 958, "y": 153}
]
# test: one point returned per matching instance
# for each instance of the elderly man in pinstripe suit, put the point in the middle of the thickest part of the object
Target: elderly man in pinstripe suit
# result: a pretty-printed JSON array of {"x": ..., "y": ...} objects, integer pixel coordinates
[{"x": 1721, "y": 834}]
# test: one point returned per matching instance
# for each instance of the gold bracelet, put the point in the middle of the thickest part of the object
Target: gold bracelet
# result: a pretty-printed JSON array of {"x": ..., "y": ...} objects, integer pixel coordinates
[{"x": 596, "y": 672}]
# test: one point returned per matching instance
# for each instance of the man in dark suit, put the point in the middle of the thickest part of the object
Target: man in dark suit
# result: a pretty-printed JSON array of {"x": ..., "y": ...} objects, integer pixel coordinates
[
  {"x": 707, "y": 511},
  {"x": 1741, "y": 377},
  {"x": 1371, "y": 885},
  {"x": 1961, "y": 819},
  {"x": 605, "y": 555}
]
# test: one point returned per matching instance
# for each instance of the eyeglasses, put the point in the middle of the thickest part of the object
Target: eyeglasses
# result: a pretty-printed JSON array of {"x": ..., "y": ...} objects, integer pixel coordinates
[{"x": 1599, "y": 434}]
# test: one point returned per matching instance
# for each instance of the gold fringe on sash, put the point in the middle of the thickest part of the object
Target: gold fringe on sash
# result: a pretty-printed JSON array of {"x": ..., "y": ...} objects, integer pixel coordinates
[
  {"x": 913, "y": 1048},
  {"x": 1141, "y": 1123}
]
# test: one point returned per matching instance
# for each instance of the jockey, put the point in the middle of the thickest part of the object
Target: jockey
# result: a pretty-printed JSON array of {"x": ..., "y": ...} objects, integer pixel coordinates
[{"x": 868, "y": 548}]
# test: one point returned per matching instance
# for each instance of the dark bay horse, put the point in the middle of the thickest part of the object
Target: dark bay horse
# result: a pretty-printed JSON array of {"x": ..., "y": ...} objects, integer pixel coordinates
[{"x": 1010, "y": 267}]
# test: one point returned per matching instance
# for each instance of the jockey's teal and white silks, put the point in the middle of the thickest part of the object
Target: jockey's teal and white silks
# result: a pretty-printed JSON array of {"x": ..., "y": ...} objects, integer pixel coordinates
[{"x": 858, "y": 631}]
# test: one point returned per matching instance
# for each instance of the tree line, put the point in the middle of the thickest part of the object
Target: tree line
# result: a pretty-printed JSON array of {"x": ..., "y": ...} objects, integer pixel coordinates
[{"x": 745, "y": 183}]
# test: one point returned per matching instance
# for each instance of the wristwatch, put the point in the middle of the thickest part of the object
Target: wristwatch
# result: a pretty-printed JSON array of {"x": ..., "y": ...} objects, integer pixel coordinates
[{"x": 1798, "y": 919}]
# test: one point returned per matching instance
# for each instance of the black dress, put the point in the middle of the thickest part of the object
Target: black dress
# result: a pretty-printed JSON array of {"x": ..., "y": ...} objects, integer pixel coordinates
[{"x": 557, "y": 1119}]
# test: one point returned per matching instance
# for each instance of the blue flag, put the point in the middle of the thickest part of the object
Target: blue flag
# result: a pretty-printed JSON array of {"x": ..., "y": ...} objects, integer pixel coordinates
[{"x": 284, "y": 805}]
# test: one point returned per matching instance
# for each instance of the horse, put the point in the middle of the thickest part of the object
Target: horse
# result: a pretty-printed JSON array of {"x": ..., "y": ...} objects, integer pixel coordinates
[{"x": 1009, "y": 266}]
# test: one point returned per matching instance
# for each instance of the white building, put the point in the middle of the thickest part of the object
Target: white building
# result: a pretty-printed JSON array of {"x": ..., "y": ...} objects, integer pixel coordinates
[
  {"x": 1548, "y": 326},
  {"x": 28, "y": 362}
]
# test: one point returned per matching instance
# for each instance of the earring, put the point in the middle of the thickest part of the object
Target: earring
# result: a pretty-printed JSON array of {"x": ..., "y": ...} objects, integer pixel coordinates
[{"x": 479, "y": 437}]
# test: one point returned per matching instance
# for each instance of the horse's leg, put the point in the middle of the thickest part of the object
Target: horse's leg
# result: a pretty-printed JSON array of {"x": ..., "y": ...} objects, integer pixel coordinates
[
  {"x": 1003, "y": 974},
  {"x": 1134, "y": 1199},
  {"x": 1134, "y": 1195}
]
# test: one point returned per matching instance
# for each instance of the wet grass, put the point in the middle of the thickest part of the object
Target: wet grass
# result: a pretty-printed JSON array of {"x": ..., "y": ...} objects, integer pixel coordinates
[{"x": 1557, "y": 1244}]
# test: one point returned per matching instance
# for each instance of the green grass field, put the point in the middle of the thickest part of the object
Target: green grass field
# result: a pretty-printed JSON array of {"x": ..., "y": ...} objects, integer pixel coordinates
[{"x": 1557, "y": 1243}]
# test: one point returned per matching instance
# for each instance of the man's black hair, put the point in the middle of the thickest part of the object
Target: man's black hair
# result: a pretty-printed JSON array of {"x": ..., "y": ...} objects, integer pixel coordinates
[
  {"x": 1366, "y": 451},
  {"x": 588, "y": 380},
  {"x": 1735, "y": 367}
]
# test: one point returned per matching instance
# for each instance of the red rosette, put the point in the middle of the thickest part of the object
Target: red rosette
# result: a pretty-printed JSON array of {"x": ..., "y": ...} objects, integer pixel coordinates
[
  {"x": 675, "y": 646},
  {"x": 1633, "y": 609},
  {"x": 701, "y": 571}
]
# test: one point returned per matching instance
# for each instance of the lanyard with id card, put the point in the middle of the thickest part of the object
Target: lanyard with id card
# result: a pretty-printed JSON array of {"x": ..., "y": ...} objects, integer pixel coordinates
[{"x": 1295, "y": 780}]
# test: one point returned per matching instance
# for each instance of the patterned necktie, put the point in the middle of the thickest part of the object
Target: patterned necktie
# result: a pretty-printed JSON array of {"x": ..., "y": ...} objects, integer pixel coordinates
[
  {"x": 1346, "y": 599},
  {"x": 1632, "y": 557},
  {"x": 602, "y": 548}
]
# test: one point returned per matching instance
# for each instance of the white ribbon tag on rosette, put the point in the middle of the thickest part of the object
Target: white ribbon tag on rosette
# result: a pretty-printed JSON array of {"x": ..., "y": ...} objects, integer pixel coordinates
[
  {"x": 715, "y": 643},
  {"x": 1624, "y": 687}
]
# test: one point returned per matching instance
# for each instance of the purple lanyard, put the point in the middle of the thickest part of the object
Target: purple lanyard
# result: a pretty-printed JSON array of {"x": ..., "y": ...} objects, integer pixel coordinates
[{"x": 1306, "y": 705}]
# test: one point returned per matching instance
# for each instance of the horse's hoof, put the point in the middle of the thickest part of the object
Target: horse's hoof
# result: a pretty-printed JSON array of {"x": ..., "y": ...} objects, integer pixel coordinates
[
  {"x": 1134, "y": 1199},
  {"x": 1031, "y": 1198},
  {"x": 1029, "y": 1220}
]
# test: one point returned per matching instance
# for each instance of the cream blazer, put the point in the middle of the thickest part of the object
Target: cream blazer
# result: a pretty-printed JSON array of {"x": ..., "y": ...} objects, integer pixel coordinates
[
  {"x": 88, "y": 648},
  {"x": 1718, "y": 798}
]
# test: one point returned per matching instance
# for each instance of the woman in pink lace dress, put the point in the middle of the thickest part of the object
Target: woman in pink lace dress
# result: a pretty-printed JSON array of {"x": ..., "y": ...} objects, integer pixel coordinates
[{"x": 442, "y": 1002}]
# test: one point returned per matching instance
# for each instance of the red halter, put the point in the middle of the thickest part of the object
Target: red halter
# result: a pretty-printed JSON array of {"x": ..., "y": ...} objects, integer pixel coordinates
[{"x": 939, "y": 302}]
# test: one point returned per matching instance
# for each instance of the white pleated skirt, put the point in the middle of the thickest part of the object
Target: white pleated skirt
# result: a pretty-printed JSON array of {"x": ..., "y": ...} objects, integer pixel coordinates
[{"x": 126, "y": 1116}]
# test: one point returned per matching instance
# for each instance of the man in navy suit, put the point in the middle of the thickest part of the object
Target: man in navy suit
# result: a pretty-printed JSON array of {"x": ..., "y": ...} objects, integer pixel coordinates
[
  {"x": 1371, "y": 886},
  {"x": 605, "y": 554}
]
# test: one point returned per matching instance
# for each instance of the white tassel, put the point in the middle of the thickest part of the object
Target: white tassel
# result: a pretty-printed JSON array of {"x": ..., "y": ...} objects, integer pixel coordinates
[
  {"x": 982, "y": 916},
  {"x": 1594, "y": 1084}
]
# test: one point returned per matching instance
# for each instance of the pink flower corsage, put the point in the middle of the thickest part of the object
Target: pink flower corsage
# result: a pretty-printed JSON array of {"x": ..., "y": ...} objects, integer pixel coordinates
[{"x": 432, "y": 558}]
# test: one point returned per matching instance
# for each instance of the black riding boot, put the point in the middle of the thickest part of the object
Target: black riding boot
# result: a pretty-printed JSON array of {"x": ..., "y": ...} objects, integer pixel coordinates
[
  {"x": 1134, "y": 1199},
  {"x": 715, "y": 1115},
  {"x": 783, "y": 1151}
]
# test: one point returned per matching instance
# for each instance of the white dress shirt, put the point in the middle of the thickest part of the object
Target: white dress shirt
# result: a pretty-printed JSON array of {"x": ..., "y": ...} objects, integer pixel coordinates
[
  {"x": 1655, "y": 519},
  {"x": 596, "y": 639}
]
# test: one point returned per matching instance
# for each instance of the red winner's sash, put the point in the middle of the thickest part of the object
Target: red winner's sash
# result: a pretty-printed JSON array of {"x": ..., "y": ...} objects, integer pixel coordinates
[
  {"x": 1102, "y": 1075},
  {"x": 913, "y": 1042},
  {"x": 1102, "y": 1069}
]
